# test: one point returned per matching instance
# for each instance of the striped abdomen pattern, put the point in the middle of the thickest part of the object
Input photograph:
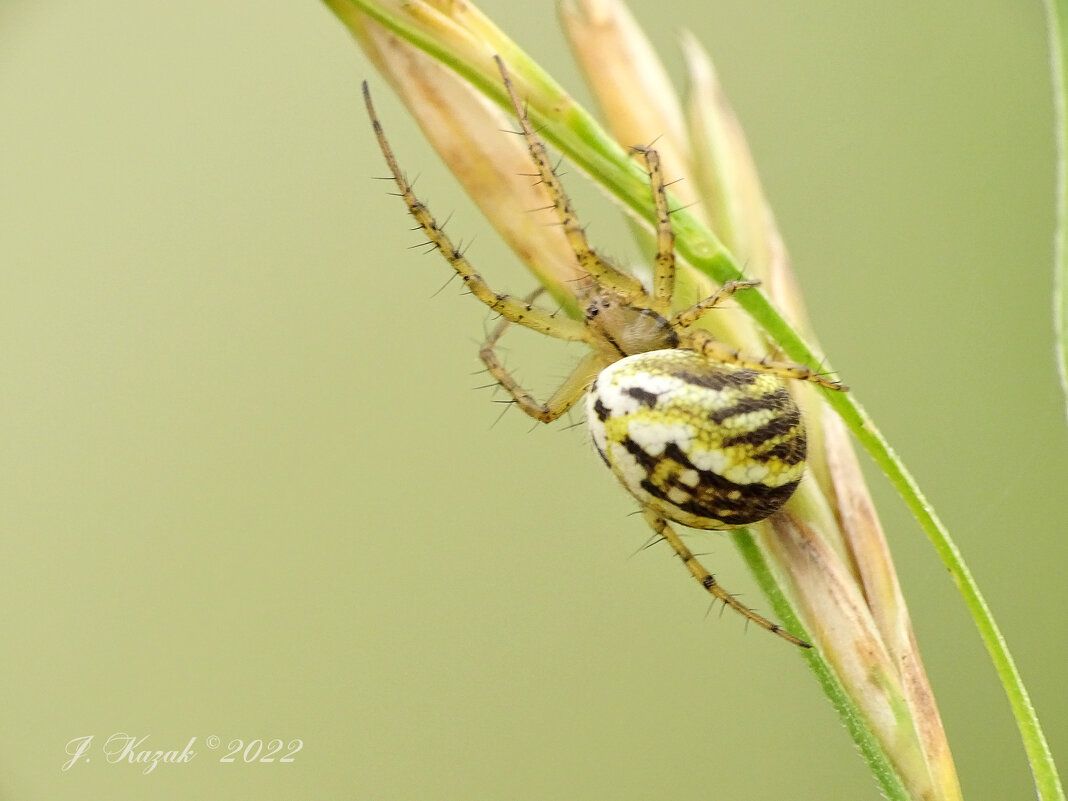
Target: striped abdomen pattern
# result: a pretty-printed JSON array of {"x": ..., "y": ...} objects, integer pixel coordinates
[{"x": 704, "y": 443}]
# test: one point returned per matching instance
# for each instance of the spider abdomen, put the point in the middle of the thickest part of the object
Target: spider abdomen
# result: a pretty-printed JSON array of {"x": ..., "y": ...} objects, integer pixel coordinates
[{"x": 704, "y": 443}]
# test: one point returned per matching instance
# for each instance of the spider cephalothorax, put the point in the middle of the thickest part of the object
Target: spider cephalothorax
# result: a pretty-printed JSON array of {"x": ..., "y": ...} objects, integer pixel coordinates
[
  {"x": 622, "y": 329},
  {"x": 698, "y": 433}
]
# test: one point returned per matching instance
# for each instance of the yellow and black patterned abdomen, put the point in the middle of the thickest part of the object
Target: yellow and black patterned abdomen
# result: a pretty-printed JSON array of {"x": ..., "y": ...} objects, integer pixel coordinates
[{"x": 704, "y": 443}]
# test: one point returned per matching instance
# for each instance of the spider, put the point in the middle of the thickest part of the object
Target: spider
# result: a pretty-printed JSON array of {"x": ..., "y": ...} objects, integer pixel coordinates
[{"x": 698, "y": 433}]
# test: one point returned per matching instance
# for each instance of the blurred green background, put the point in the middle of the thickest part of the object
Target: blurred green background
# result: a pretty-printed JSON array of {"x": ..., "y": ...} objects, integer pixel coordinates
[{"x": 248, "y": 490}]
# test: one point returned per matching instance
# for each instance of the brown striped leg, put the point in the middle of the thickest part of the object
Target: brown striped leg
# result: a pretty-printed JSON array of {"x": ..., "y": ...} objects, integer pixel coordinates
[
  {"x": 697, "y": 311},
  {"x": 661, "y": 527},
  {"x": 508, "y": 306},
  {"x": 566, "y": 396},
  {"x": 705, "y": 344},
  {"x": 664, "y": 264},
  {"x": 603, "y": 272}
]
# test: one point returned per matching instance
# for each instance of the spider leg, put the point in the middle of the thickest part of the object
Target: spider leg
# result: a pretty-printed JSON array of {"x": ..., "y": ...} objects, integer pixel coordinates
[
  {"x": 603, "y": 272},
  {"x": 705, "y": 344},
  {"x": 664, "y": 265},
  {"x": 696, "y": 312},
  {"x": 566, "y": 396},
  {"x": 510, "y": 307},
  {"x": 661, "y": 527}
]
